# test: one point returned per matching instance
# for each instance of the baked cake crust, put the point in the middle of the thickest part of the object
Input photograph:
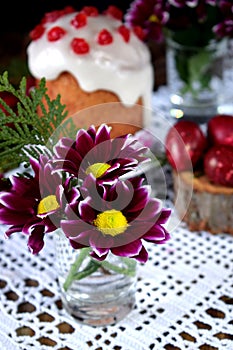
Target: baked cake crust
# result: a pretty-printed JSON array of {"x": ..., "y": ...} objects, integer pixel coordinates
[{"x": 122, "y": 119}]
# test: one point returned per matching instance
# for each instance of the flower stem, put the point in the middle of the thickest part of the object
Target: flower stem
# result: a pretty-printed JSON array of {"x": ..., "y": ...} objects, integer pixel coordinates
[
  {"x": 128, "y": 271},
  {"x": 89, "y": 269},
  {"x": 75, "y": 267},
  {"x": 93, "y": 265}
]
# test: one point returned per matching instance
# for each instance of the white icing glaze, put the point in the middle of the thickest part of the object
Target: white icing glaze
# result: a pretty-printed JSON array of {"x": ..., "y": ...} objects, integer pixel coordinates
[{"x": 121, "y": 67}]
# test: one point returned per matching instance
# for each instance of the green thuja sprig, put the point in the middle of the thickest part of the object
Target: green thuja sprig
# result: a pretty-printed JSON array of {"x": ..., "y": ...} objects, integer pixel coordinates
[{"x": 26, "y": 127}]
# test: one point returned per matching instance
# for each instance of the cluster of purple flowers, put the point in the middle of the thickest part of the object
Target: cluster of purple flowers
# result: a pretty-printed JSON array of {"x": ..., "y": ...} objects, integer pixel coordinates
[
  {"x": 83, "y": 189},
  {"x": 197, "y": 21}
]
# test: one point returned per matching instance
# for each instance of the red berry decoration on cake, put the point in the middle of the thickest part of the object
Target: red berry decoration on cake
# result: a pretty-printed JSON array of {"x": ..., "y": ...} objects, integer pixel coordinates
[
  {"x": 79, "y": 21},
  {"x": 55, "y": 33},
  {"x": 210, "y": 207},
  {"x": 138, "y": 31},
  {"x": 80, "y": 46},
  {"x": 90, "y": 11},
  {"x": 125, "y": 32},
  {"x": 105, "y": 37},
  {"x": 115, "y": 12},
  {"x": 37, "y": 32},
  {"x": 52, "y": 16}
]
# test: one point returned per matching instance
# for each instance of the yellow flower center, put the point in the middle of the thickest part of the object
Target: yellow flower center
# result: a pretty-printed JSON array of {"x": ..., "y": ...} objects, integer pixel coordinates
[
  {"x": 47, "y": 204},
  {"x": 111, "y": 222},
  {"x": 153, "y": 18},
  {"x": 97, "y": 169}
]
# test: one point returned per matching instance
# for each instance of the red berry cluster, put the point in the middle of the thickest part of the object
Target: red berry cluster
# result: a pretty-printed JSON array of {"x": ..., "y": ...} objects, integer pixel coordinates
[
  {"x": 80, "y": 45},
  {"x": 49, "y": 17},
  {"x": 188, "y": 147}
]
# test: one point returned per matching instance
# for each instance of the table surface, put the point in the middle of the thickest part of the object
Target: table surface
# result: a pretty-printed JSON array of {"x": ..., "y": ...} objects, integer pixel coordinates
[{"x": 184, "y": 296}]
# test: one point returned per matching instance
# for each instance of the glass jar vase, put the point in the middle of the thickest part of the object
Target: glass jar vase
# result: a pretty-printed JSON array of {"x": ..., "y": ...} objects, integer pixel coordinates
[
  {"x": 195, "y": 78},
  {"x": 97, "y": 293}
]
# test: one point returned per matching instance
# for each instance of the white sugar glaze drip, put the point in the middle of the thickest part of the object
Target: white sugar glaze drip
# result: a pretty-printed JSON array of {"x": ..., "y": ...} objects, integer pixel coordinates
[{"x": 122, "y": 68}]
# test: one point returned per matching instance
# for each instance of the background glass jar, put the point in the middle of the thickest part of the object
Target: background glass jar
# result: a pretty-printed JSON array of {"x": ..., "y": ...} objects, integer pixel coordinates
[{"x": 196, "y": 79}]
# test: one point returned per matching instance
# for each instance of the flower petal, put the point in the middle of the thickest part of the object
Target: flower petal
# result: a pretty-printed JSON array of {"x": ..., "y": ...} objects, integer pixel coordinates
[
  {"x": 84, "y": 142},
  {"x": 76, "y": 245},
  {"x": 8, "y": 217},
  {"x": 87, "y": 213},
  {"x": 151, "y": 210},
  {"x": 164, "y": 216},
  {"x": 156, "y": 233},
  {"x": 97, "y": 257},
  {"x": 103, "y": 133},
  {"x": 101, "y": 242},
  {"x": 83, "y": 238},
  {"x": 35, "y": 240},
  {"x": 16, "y": 202},
  {"x": 128, "y": 250},
  {"x": 74, "y": 228},
  {"x": 139, "y": 200},
  {"x": 142, "y": 256},
  {"x": 100, "y": 252},
  {"x": 13, "y": 229}
]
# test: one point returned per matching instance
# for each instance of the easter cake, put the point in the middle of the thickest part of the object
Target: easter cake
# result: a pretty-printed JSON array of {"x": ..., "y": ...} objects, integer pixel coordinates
[{"x": 91, "y": 58}]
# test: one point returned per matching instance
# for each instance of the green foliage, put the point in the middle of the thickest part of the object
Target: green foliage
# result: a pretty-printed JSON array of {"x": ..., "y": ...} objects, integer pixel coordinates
[
  {"x": 17, "y": 68},
  {"x": 26, "y": 126},
  {"x": 194, "y": 67},
  {"x": 198, "y": 68}
]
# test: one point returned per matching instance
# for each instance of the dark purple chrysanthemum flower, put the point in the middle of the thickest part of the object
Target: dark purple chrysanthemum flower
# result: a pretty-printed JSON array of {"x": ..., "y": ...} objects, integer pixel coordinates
[
  {"x": 139, "y": 12},
  {"x": 32, "y": 204},
  {"x": 225, "y": 27},
  {"x": 184, "y": 20},
  {"x": 182, "y": 3},
  {"x": 95, "y": 152},
  {"x": 116, "y": 218},
  {"x": 150, "y": 15}
]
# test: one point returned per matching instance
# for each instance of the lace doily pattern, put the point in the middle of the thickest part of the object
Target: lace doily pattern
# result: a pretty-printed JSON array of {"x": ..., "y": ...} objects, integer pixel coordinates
[
  {"x": 184, "y": 299},
  {"x": 184, "y": 296}
]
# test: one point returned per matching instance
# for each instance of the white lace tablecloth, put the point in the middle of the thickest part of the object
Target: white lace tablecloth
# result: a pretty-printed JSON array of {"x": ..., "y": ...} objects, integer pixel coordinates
[{"x": 184, "y": 298}]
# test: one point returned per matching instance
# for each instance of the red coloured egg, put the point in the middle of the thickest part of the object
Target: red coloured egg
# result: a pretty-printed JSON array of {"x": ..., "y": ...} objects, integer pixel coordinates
[
  {"x": 220, "y": 130},
  {"x": 185, "y": 143},
  {"x": 218, "y": 165}
]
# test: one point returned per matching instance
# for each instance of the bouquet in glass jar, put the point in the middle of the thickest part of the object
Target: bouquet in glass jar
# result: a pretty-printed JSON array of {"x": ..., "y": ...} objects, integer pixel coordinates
[
  {"x": 197, "y": 25},
  {"x": 87, "y": 186}
]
